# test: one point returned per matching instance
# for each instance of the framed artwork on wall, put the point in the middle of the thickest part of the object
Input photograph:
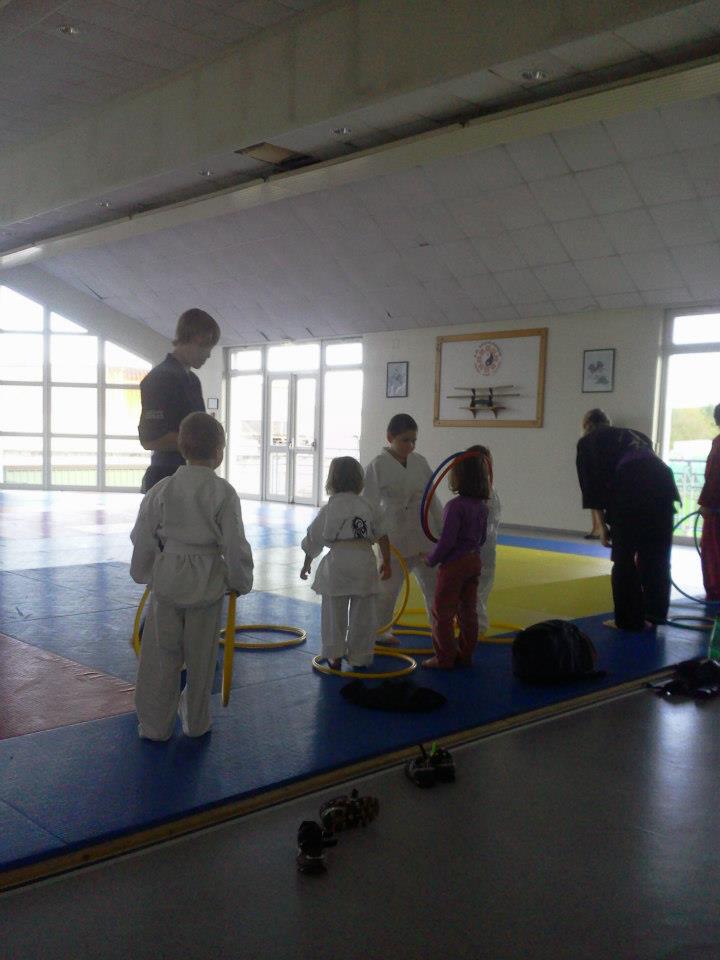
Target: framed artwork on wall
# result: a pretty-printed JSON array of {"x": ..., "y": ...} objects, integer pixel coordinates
[
  {"x": 491, "y": 379},
  {"x": 396, "y": 384},
  {"x": 598, "y": 373}
]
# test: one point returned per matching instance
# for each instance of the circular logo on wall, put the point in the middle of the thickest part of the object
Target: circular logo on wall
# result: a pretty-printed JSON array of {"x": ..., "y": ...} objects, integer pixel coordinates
[{"x": 487, "y": 358}]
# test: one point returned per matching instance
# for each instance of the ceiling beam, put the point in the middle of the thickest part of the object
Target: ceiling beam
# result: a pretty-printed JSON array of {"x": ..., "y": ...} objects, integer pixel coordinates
[{"x": 330, "y": 61}]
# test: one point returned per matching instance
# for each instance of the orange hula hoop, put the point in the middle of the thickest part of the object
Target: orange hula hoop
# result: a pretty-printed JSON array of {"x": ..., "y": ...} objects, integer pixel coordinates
[{"x": 439, "y": 479}]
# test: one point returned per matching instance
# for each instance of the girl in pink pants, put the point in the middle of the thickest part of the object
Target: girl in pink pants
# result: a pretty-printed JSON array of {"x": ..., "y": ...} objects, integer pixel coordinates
[{"x": 458, "y": 553}]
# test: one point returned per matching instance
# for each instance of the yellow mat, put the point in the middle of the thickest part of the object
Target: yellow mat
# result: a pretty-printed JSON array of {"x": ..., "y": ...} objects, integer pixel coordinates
[{"x": 532, "y": 585}]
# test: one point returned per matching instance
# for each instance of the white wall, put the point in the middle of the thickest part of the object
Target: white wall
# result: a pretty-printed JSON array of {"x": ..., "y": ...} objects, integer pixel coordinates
[{"x": 534, "y": 467}]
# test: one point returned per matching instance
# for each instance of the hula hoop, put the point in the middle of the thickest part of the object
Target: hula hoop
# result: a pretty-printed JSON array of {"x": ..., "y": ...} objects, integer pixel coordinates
[
  {"x": 298, "y": 636},
  {"x": 697, "y": 515},
  {"x": 362, "y": 674},
  {"x": 406, "y": 596},
  {"x": 136, "y": 640},
  {"x": 407, "y": 632},
  {"x": 428, "y": 493},
  {"x": 228, "y": 653}
]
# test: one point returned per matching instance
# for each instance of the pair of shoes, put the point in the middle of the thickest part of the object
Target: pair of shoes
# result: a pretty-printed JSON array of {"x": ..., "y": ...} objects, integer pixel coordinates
[
  {"x": 431, "y": 768},
  {"x": 347, "y": 812},
  {"x": 312, "y": 840}
]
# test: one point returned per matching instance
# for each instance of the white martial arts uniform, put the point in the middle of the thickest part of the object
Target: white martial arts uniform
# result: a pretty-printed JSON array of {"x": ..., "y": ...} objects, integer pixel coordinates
[
  {"x": 396, "y": 491},
  {"x": 487, "y": 559},
  {"x": 190, "y": 547},
  {"x": 347, "y": 577}
]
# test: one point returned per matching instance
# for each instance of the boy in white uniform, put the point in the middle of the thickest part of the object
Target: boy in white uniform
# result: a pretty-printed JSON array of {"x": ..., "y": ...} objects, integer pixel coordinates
[
  {"x": 394, "y": 484},
  {"x": 190, "y": 548},
  {"x": 347, "y": 577}
]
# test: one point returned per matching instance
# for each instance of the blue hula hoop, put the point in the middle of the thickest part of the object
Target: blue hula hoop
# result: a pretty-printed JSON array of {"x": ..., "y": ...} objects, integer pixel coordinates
[{"x": 431, "y": 481}]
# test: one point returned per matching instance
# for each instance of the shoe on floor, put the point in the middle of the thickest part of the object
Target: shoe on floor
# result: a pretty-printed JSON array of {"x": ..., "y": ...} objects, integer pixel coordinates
[
  {"x": 441, "y": 759},
  {"x": 312, "y": 841},
  {"x": 347, "y": 812},
  {"x": 421, "y": 770}
]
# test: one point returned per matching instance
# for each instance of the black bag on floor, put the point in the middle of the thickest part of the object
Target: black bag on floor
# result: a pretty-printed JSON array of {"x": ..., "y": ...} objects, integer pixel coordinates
[
  {"x": 396, "y": 696},
  {"x": 554, "y": 651}
]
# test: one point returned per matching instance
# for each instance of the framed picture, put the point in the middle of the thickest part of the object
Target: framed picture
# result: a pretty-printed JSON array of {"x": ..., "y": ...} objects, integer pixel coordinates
[
  {"x": 396, "y": 384},
  {"x": 598, "y": 375},
  {"x": 491, "y": 379}
]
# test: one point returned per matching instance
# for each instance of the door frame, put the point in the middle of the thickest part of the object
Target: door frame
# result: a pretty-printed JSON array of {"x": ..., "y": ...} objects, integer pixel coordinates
[{"x": 291, "y": 450}]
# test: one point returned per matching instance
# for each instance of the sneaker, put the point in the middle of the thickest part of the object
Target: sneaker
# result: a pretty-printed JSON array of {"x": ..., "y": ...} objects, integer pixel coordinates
[
  {"x": 421, "y": 770},
  {"x": 312, "y": 840},
  {"x": 444, "y": 765},
  {"x": 345, "y": 813}
]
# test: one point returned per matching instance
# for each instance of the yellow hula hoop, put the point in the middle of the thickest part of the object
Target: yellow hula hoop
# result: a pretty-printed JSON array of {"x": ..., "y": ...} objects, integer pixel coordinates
[
  {"x": 228, "y": 653},
  {"x": 298, "y": 636},
  {"x": 364, "y": 675},
  {"x": 408, "y": 631},
  {"x": 135, "y": 640},
  {"x": 406, "y": 595}
]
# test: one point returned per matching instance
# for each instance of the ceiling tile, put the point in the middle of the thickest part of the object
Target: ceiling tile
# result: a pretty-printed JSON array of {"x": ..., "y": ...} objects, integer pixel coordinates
[
  {"x": 543, "y": 309},
  {"x": 537, "y": 158},
  {"x": 703, "y": 167},
  {"x": 586, "y": 147},
  {"x": 485, "y": 292},
  {"x": 540, "y": 246},
  {"x": 437, "y": 224},
  {"x": 452, "y": 300},
  {"x": 619, "y": 301},
  {"x": 493, "y": 169},
  {"x": 452, "y": 178},
  {"x": 412, "y": 187},
  {"x": 521, "y": 286},
  {"x": 499, "y": 252},
  {"x": 575, "y": 305},
  {"x": 561, "y": 198},
  {"x": 652, "y": 270},
  {"x": 461, "y": 258},
  {"x": 561, "y": 281},
  {"x": 656, "y": 34},
  {"x": 584, "y": 239},
  {"x": 477, "y": 217},
  {"x": 376, "y": 271},
  {"x": 262, "y": 13},
  {"x": 661, "y": 179},
  {"x": 605, "y": 275},
  {"x": 608, "y": 189},
  {"x": 683, "y": 223},
  {"x": 399, "y": 227},
  {"x": 693, "y": 123},
  {"x": 424, "y": 263},
  {"x": 517, "y": 208},
  {"x": 499, "y": 314},
  {"x": 638, "y": 135},
  {"x": 667, "y": 297},
  {"x": 700, "y": 268},
  {"x": 709, "y": 12},
  {"x": 632, "y": 231},
  {"x": 711, "y": 206}
]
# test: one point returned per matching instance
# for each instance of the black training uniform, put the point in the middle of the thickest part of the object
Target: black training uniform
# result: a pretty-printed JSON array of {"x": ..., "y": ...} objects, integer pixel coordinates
[
  {"x": 620, "y": 474},
  {"x": 168, "y": 394}
]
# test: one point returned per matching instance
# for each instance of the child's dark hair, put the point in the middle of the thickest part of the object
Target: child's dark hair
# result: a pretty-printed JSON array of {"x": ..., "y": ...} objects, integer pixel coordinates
[
  {"x": 595, "y": 418},
  {"x": 200, "y": 436},
  {"x": 716, "y": 415},
  {"x": 344, "y": 476},
  {"x": 401, "y": 423},
  {"x": 470, "y": 477}
]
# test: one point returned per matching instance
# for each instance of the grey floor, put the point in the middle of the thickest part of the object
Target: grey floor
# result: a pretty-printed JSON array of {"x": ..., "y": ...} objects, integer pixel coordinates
[{"x": 593, "y": 835}]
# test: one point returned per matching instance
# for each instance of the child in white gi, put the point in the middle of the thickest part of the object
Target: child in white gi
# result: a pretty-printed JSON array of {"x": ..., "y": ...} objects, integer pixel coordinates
[
  {"x": 488, "y": 549},
  {"x": 347, "y": 577},
  {"x": 189, "y": 547},
  {"x": 394, "y": 484}
]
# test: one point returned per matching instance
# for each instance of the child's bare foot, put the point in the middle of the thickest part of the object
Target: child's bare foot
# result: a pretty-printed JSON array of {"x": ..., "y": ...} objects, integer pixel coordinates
[
  {"x": 334, "y": 664},
  {"x": 432, "y": 663}
]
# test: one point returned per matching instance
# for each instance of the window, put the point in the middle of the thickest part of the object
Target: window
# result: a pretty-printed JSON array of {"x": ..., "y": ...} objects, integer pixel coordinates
[{"x": 69, "y": 402}]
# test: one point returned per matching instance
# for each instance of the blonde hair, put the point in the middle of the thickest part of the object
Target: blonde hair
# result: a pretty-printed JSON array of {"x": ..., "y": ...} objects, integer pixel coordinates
[
  {"x": 344, "y": 476},
  {"x": 200, "y": 436},
  {"x": 196, "y": 323}
]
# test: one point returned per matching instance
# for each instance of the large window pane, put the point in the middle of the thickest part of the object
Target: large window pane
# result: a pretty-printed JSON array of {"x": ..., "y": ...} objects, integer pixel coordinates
[
  {"x": 21, "y": 460},
  {"x": 343, "y": 410},
  {"x": 343, "y": 354},
  {"x": 245, "y": 442},
  {"x": 73, "y": 359},
  {"x": 73, "y": 410},
  {"x": 21, "y": 409},
  {"x": 21, "y": 356},
  {"x": 691, "y": 395},
  {"x": 293, "y": 357},
  {"x": 59, "y": 324},
  {"x": 73, "y": 462},
  {"x": 277, "y": 475},
  {"x": 125, "y": 463},
  {"x": 122, "y": 410},
  {"x": 121, "y": 366},
  {"x": 246, "y": 360},
  {"x": 19, "y": 313},
  {"x": 698, "y": 328}
]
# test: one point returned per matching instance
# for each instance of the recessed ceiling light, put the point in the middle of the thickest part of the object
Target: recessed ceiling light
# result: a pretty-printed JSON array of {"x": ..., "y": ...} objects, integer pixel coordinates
[
  {"x": 342, "y": 131},
  {"x": 535, "y": 75},
  {"x": 105, "y": 204},
  {"x": 69, "y": 30},
  {"x": 206, "y": 172}
]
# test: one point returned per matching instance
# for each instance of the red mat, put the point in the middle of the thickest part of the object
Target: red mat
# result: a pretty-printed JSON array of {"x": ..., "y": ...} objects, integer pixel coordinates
[{"x": 41, "y": 691}]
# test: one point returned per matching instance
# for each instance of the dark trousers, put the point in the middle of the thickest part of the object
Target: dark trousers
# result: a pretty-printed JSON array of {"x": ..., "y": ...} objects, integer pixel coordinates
[
  {"x": 456, "y": 596},
  {"x": 641, "y": 547}
]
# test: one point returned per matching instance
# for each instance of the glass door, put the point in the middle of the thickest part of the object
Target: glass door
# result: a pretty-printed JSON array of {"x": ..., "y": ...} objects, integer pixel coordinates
[{"x": 292, "y": 438}]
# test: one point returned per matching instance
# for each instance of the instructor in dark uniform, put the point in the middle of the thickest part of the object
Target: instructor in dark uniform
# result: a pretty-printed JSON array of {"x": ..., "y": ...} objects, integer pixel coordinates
[{"x": 171, "y": 391}]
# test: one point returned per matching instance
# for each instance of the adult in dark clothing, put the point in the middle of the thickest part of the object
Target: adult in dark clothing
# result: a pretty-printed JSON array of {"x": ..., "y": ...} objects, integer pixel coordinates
[
  {"x": 621, "y": 476},
  {"x": 709, "y": 503},
  {"x": 171, "y": 391}
]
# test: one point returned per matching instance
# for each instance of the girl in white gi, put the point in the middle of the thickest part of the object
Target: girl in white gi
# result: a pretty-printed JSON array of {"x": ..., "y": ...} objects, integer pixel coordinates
[
  {"x": 488, "y": 549},
  {"x": 189, "y": 547},
  {"x": 394, "y": 484},
  {"x": 347, "y": 578}
]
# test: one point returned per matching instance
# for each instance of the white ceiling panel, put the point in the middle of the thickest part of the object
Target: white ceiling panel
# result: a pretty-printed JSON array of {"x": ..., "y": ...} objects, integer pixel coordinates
[
  {"x": 608, "y": 189},
  {"x": 575, "y": 305},
  {"x": 454, "y": 303},
  {"x": 461, "y": 258},
  {"x": 692, "y": 124},
  {"x": 477, "y": 217},
  {"x": 537, "y": 158},
  {"x": 700, "y": 268},
  {"x": 437, "y": 224},
  {"x": 684, "y": 223},
  {"x": 638, "y": 135},
  {"x": 620, "y": 301},
  {"x": 584, "y": 239},
  {"x": 632, "y": 231},
  {"x": 485, "y": 292},
  {"x": 661, "y": 179},
  {"x": 703, "y": 167},
  {"x": 517, "y": 208},
  {"x": 521, "y": 286},
  {"x": 562, "y": 281},
  {"x": 424, "y": 264},
  {"x": 652, "y": 270},
  {"x": 670, "y": 296},
  {"x": 651, "y": 35},
  {"x": 586, "y": 147},
  {"x": 499, "y": 252},
  {"x": 539, "y": 245},
  {"x": 606, "y": 275},
  {"x": 561, "y": 198}
]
